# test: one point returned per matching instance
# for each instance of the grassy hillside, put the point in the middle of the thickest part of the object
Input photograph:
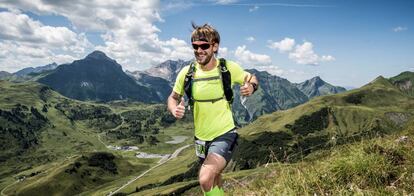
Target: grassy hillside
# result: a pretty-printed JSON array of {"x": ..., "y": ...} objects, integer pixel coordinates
[
  {"x": 183, "y": 169},
  {"x": 376, "y": 109},
  {"x": 44, "y": 135},
  {"x": 379, "y": 166},
  {"x": 87, "y": 172},
  {"x": 404, "y": 81}
]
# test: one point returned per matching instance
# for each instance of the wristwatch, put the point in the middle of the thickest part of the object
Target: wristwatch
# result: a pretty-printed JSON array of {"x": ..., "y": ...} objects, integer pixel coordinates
[{"x": 255, "y": 87}]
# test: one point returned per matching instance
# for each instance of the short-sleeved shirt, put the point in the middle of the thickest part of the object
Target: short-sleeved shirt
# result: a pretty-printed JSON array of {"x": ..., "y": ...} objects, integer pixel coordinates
[{"x": 211, "y": 119}]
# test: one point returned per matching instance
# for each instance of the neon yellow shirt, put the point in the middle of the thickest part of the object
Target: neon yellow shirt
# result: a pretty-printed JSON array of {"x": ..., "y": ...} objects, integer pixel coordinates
[{"x": 211, "y": 119}]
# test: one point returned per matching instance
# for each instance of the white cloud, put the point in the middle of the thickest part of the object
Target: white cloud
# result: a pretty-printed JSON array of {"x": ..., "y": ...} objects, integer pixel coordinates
[
  {"x": 127, "y": 27},
  {"x": 254, "y": 8},
  {"x": 92, "y": 15},
  {"x": 20, "y": 28},
  {"x": 304, "y": 54},
  {"x": 14, "y": 57},
  {"x": 26, "y": 42},
  {"x": 292, "y": 75},
  {"x": 176, "y": 6},
  {"x": 327, "y": 58},
  {"x": 224, "y": 2},
  {"x": 223, "y": 52},
  {"x": 250, "y": 39},
  {"x": 285, "y": 45},
  {"x": 301, "y": 54},
  {"x": 62, "y": 58},
  {"x": 272, "y": 69},
  {"x": 399, "y": 29},
  {"x": 179, "y": 49},
  {"x": 248, "y": 58}
]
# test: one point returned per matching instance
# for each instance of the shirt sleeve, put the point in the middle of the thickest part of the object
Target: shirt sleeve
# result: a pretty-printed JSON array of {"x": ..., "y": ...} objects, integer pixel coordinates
[
  {"x": 179, "y": 81},
  {"x": 237, "y": 73}
]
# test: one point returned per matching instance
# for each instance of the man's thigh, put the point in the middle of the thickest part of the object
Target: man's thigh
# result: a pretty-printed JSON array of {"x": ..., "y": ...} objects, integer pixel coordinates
[{"x": 213, "y": 164}]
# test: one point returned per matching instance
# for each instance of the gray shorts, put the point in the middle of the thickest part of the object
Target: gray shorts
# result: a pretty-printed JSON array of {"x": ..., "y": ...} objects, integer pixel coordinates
[{"x": 223, "y": 145}]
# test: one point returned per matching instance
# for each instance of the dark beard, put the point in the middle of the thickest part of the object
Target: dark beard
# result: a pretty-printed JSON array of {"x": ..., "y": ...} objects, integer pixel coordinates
[{"x": 207, "y": 60}]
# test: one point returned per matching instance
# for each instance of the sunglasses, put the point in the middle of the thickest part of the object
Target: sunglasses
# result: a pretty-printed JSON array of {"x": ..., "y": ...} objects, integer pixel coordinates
[{"x": 202, "y": 46}]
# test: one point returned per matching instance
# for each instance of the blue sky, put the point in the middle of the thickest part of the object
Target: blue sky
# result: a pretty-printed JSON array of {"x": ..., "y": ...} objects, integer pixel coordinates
[{"x": 346, "y": 42}]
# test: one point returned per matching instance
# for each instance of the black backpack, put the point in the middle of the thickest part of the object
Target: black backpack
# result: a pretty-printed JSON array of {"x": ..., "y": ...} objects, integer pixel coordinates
[{"x": 225, "y": 78}]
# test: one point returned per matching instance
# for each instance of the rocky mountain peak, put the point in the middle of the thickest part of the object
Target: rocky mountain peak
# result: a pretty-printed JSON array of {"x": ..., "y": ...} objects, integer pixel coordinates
[
  {"x": 167, "y": 70},
  {"x": 317, "y": 81},
  {"x": 317, "y": 87},
  {"x": 99, "y": 55}
]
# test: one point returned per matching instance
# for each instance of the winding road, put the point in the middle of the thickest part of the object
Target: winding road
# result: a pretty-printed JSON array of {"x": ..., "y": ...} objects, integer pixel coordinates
[
  {"x": 2, "y": 191},
  {"x": 175, "y": 154}
]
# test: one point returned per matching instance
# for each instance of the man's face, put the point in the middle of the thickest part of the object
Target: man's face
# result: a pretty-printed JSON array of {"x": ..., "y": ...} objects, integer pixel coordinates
[{"x": 204, "y": 51}]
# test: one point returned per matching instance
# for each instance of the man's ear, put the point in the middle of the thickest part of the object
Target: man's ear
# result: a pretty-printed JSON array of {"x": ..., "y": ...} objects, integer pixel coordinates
[{"x": 215, "y": 47}]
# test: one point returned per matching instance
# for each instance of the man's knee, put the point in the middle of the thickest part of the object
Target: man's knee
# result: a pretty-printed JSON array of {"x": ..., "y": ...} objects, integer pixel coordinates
[
  {"x": 206, "y": 178},
  {"x": 210, "y": 170}
]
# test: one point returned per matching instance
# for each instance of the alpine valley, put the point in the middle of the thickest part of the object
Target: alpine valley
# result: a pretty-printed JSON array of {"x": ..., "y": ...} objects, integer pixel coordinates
[{"x": 89, "y": 128}]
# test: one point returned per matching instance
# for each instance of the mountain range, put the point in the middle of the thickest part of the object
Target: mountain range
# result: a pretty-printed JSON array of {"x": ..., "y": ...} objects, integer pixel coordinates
[
  {"x": 317, "y": 87},
  {"x": 97, "y": 78},
  {"x": 100, "y": 78},
  {"x": 4, "y": 74},
  {"x": 28, "y": 70}
]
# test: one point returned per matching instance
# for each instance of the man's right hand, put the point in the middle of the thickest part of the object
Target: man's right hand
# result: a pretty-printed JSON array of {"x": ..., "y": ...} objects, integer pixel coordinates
[{"x": 179, "y": 111}]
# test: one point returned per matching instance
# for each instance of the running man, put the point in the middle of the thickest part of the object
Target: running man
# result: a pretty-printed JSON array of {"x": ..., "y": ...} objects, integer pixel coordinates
[{"x": 207, "y": 83}]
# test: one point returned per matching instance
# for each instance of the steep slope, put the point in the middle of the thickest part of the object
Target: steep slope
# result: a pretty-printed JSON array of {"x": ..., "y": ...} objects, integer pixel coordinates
[
  {"x": 4, "y": 75},
  {"x": 377, "y": 166},
  {"x": 75, "y": 175},
  {"x": 35, "y": 128},
  {"x": 28, "y": 74},
  {"x": 274, "y": 94},
  {"x": 404, "y": 82},
  {"x": 167, "y": 70},
  {"x": 317, "y": 87},
  {"x": 97, "y": 78},
  {"x": 159, "y": 85},
  {"x": 28, "y": 70},
  {"x": 375, "y": 109}
]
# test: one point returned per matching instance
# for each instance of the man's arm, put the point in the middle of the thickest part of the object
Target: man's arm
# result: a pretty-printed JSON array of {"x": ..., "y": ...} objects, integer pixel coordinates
[
  {"x": 175, "y": 104},
  {"x": 249, "y": 82}
]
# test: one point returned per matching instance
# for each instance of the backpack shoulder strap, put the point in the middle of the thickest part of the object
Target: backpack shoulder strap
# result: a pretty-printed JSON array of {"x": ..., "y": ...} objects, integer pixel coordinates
[
  {"x": 188, "y": 83},
  {"x": 226, "y": 80}
]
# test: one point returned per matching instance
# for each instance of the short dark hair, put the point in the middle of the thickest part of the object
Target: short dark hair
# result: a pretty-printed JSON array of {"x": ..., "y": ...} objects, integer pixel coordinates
[{"x": 205, "y": 33}]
